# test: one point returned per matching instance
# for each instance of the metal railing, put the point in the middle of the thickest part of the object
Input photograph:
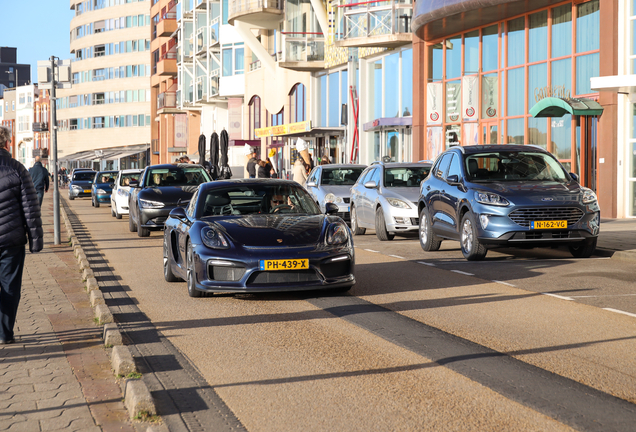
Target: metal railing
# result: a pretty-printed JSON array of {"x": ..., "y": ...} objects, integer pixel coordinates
[
  {"x": 366, "y": 19},
  {"x": 166, "y": 100},
  {"x": 255, "y": 65},
  {"x": 238, "y": 6},
  {"x": 304, "y": 47}
]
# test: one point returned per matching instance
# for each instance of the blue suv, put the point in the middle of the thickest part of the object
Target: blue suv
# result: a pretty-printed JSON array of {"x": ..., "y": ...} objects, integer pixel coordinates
[{"x": 505, "y": 196}]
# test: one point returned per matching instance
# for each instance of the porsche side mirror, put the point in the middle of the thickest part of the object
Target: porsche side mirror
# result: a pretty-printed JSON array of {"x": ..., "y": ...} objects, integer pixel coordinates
[
  {"x": 178, "y": 213},
  {"x": 331, "y": 208}
]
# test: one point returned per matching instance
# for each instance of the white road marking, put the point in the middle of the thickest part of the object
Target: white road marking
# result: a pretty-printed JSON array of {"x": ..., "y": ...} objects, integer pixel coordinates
[
  {"x": 425, "y": 263},
  {"x": 620, "y": 312},
  {"x": 505, "y": 283},
  {"x": 464, "y": 273},
  {"x": 558, "y": 296},
  {"x": 397, "y": 256},
  {"x": 371, "y": 250},
  {"x": 611, "y": 295}
]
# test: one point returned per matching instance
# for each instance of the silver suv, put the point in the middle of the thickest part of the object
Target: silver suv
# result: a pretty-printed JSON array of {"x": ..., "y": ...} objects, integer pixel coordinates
[{"x": 385, "y": 198}]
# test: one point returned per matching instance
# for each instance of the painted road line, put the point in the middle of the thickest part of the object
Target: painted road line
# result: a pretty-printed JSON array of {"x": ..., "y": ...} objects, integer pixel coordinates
[
  {"x": 505, "y": 283},
  {"x": 371, "y": 250},
  {"x": 397, "y": 256},
  {"x": 464, "y": 273},
  {"x": 609, "y": 295},
  {"x": 620, "y": 312},
  {"x": 425, "y": 263},
  {"x": 558, "y": 296}
]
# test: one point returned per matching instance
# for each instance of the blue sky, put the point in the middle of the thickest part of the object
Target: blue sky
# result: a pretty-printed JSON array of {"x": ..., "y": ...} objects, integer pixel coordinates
[{"x": 38, "y": 28}]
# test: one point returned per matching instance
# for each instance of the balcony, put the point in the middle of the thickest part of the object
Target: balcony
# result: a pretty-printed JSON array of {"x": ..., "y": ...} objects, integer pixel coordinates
[
  {"x": 374, "y": 24},
  {"x": 166, "y": 102},
  {"x": 167, "y": 66},
  {"x": 303, "y": 52},
  {"x": 264, "y": 14},
  {"x": 167, "y": 27},
  {"x": 40, "y": 127}
]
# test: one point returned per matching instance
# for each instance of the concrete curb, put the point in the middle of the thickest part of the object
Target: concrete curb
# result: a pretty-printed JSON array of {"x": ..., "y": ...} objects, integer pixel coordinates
[{"x": 137, "y": 398}]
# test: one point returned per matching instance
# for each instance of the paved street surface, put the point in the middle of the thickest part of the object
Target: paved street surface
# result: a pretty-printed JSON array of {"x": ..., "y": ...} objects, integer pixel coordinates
[
  {"x": 526, "y": 340},
  {"x": 57, "y": 375}
]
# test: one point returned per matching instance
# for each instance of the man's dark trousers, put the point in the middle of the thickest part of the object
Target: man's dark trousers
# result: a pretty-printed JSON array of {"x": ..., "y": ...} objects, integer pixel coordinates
[
  {"x": 40, "y": 195},
  {"x": 11, "y": 267}
]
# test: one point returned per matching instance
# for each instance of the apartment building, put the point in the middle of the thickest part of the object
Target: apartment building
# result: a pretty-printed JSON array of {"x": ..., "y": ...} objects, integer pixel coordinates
[
  {"x": 24, "y": 144},
  {"x": 7, "y": 103},
  {"x": 12, "y": 74},
  {"x": 104, "y": 120},
  {"x": 41, "y": 126}
]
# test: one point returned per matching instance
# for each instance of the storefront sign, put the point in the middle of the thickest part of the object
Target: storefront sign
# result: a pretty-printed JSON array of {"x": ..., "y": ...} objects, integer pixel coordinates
[
  {"x": 287, "y": 129},
  {"x": 554, "y": 91},
  {"x": 470, "y": 98},
  {"x": 434, "y": 103},
  {"x": 490, "y": 96},
  {"x": 453, "y": 92}
]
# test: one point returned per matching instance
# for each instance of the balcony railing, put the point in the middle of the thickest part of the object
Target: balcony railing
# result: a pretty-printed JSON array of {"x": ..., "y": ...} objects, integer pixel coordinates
[
  {"x": 304, "y": 47},
  {"x": 167, "y": 100},
  {"x": 214, "y": 82},
  {"x": 373, "y": 18},
  {"x": 245, "y": 6},
  {"x": 255, "y": 65}
]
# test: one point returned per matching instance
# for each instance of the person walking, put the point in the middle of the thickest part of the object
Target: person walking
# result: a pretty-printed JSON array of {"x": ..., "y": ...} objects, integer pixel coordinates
[
  {"x": 20, "y": 219},
  {"x": 40, "y": 177},
  {"x": 300, "y": 172},
  {"x": 264, "y": 169},
  {"x": 252, "y": 163}
]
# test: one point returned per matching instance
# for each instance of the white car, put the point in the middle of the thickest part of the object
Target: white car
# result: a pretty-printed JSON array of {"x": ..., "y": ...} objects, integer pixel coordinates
[{"x": 119, "y": 196}]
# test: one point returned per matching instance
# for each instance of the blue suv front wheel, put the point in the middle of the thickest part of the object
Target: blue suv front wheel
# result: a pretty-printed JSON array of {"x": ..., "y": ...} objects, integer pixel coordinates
[{"x": 472, "y": 249}]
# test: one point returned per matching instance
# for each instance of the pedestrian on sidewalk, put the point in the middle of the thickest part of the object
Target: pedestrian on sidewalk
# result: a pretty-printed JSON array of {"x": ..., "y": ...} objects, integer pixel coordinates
[
  {"x": 19, "y": 218},
  {"x": 40, "y": 177}
]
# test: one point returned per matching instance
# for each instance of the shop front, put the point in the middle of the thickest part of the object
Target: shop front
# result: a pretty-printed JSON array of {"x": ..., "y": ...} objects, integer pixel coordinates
[
  {"x": 391, "y": 138},
  {"x": 479, "y": 80}
]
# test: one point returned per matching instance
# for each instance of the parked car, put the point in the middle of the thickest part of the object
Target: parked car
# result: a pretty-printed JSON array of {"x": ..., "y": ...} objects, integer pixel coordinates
[
  {"x": 512, "y": 196},
  {"x": 121, "y": 189},
  {"x": 80, "y": 186},
  {"x": 160, "y": 189},
  {"x": 332, "y": 184},
  {"x": 257, "y": 235},
  {"x": 102, "y": 187},
  {"x": 385, "y": 198}
]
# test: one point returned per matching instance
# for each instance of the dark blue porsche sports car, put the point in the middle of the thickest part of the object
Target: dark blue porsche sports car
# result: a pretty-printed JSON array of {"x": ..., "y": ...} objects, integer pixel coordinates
[{"x": 257, "y": 235}]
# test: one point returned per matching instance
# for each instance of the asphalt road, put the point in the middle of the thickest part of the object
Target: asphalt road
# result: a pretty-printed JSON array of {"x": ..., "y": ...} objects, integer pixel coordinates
[{"x": 424, "y": 341}]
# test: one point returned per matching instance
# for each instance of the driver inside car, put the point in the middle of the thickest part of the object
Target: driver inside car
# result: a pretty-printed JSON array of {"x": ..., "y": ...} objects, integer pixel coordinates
[{"x": 280, "y": 202}]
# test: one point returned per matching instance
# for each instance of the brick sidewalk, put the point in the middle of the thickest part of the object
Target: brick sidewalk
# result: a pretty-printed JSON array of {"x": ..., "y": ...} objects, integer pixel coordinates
[{"x": 57, "y": 376}]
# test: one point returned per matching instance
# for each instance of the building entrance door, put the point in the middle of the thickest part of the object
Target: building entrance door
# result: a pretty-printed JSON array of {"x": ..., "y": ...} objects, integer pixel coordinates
[
  {"x": 490, "y": 134},
  {"x": 588, "y": 139}
]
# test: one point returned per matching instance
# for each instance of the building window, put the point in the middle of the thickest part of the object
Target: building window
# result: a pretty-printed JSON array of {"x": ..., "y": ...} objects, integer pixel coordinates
[
  {"x": 254, "y": 115},
  {"x": 297, "y": 103}
]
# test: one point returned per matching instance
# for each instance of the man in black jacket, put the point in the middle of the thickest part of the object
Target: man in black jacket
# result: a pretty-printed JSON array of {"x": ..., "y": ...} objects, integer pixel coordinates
[
  {"x": 40, "y": 177},
  {"x": 19, "y": 219},
  {"x": 252, "y": 163}
]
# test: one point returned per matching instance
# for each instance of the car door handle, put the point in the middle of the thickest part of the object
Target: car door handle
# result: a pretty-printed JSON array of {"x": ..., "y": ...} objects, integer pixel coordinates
[{"x": 428, "y": 188}]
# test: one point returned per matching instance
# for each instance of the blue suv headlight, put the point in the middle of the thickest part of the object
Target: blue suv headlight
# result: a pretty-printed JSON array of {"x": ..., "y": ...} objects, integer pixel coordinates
[
  {"x": 491, "y": 199},
  {"x": 588, "y": 196}
]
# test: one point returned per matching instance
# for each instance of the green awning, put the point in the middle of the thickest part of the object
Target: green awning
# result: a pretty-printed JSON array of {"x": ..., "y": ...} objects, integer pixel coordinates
[{"x": 558, "y": 107}]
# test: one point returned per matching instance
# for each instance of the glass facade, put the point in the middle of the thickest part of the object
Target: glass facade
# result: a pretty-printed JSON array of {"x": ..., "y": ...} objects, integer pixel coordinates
[{"x": 512, "y": 65}]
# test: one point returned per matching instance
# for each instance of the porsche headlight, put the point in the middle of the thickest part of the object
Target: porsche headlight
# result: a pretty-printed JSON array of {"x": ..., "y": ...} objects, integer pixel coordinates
[
  {"x": 337, "y": 233},
  {"x": 214, "y": 239},
  {"x": 588, "y": 196},
  {"x": 398, "y": 203},
  {"x": 150, "y": 204},
  {"x": 491, "y": 199},
  {"x": 331, "y": 198}
]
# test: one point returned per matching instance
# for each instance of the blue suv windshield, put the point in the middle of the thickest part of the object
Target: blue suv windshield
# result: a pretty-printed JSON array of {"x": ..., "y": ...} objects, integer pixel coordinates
[{"x": 513, "y": 166}]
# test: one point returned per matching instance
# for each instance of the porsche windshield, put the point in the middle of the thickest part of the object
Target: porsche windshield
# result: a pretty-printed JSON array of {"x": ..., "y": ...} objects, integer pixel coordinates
[
  {"x": 514, "y": 166},
  {"x": 272, "y": 199}
]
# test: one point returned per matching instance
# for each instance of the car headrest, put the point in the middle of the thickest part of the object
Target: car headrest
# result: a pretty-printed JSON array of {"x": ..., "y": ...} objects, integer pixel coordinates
[
  {"x": 388, "y": 179},
  {"x": 217, "y": 199},
  {"x": 472, "y": 167}
]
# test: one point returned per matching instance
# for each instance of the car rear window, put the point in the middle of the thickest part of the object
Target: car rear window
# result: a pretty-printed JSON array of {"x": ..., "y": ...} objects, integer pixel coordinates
[
  {"x": 340, "y": 176},
  {"x": 84, "y": 176},
  {"x": 177, "y": 176},
  {"x": 405, "y": 176}
]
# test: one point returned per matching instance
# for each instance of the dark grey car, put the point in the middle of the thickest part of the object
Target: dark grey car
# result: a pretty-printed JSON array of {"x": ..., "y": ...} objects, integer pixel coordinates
[{"x": 506, "y": 195}]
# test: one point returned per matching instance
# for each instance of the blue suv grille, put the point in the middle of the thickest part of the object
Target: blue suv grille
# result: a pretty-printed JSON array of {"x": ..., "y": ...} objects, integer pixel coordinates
[{"x": 523, "y": 217}]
